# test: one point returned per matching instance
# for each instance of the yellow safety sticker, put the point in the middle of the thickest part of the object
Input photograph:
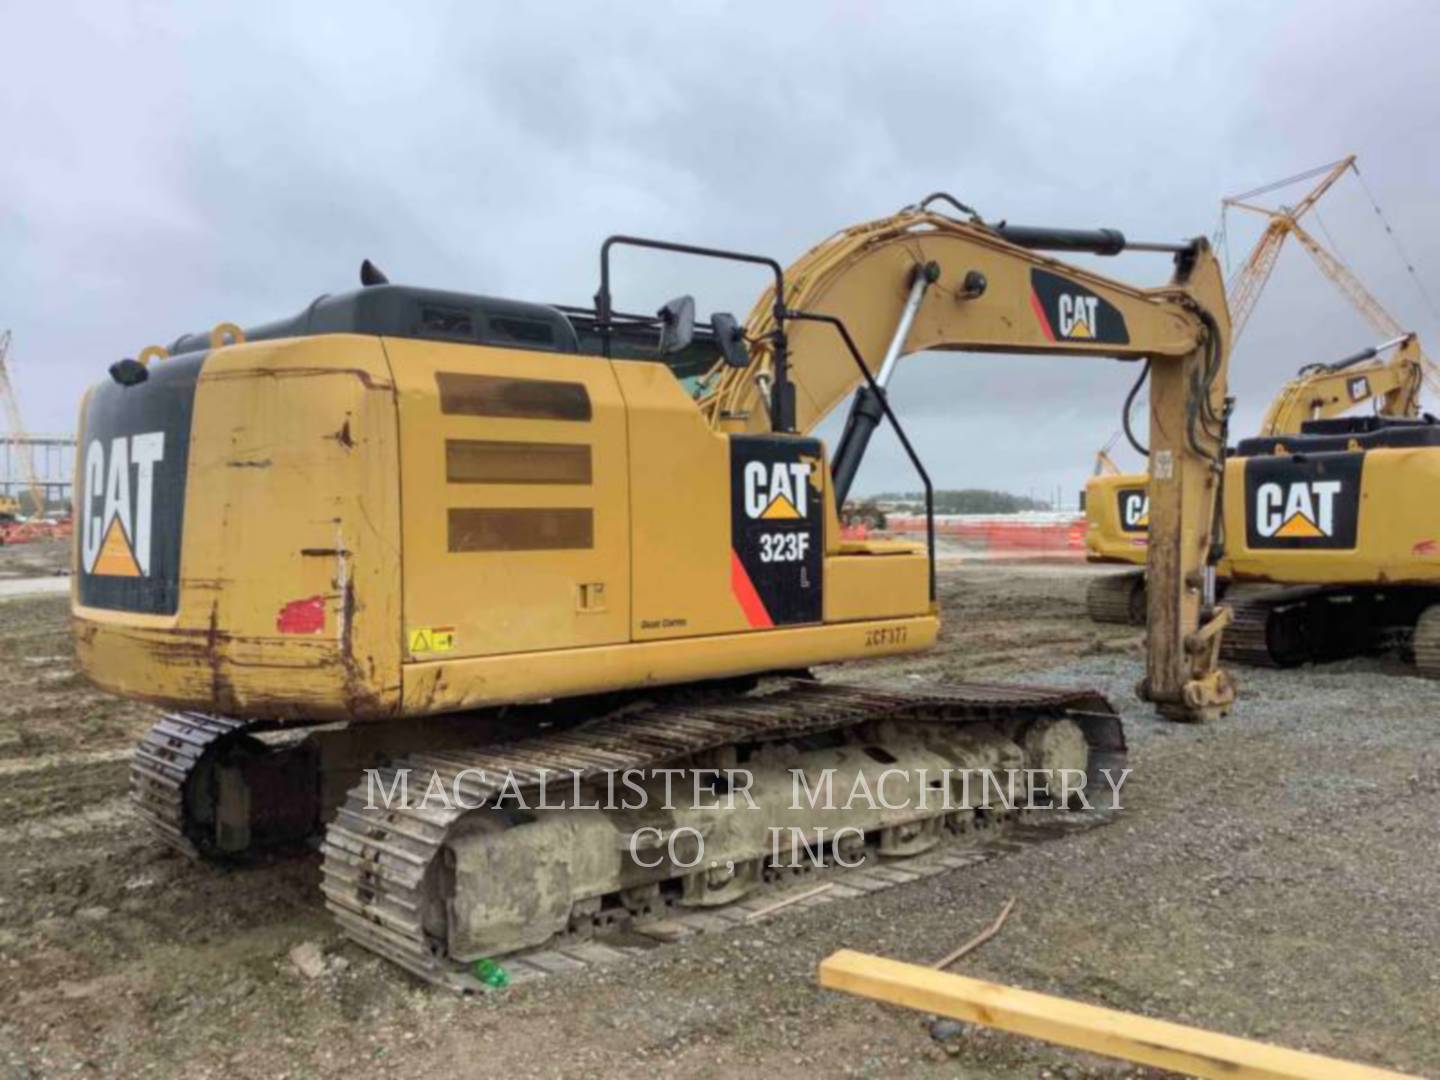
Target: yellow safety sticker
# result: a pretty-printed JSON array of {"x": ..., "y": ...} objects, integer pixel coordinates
[{"x": 425, "y": 639}]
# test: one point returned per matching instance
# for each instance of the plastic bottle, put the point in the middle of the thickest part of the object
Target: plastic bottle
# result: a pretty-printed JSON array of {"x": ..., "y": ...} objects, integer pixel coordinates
[{"x": 490, "y": 973}]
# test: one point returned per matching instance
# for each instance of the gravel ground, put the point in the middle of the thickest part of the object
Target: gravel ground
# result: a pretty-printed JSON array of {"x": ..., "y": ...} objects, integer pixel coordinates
[{"x": 1272, "y": 874}]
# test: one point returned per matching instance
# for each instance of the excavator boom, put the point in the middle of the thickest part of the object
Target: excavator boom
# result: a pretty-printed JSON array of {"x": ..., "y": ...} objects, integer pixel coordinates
[
  {"x": 922, "y": 281},
  {"x": 1322, "y": 391}
]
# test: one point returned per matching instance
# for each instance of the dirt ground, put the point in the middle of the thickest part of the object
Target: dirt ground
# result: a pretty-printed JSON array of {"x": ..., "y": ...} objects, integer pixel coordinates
[
  {"x": 1272, "y": 875},
  {"x": 41, "y": 559}
]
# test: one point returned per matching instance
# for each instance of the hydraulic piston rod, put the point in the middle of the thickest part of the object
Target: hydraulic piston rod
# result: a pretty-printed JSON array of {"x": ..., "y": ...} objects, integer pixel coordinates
[{"x": 865, "y": 412}]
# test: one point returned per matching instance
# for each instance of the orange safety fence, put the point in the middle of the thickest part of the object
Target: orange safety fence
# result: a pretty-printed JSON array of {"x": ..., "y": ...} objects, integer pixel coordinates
[
  {"x": 999, "y": 537},
  {"x": 24, "y": 532}
]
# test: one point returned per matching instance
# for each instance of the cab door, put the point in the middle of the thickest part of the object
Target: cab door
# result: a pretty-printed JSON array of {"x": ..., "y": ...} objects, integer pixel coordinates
[{"x": 514, "y": 500}]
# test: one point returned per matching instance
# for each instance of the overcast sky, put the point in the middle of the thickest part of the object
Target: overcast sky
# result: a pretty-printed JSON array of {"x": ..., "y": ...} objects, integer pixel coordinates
[{"x": 166, "y": 167}]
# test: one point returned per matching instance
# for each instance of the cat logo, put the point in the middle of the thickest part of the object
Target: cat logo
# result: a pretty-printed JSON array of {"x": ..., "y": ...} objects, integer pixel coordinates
[
  {"x": 1303, "y": 501},
  {"x": 117, "y": 513},
  {"x": 1077, "y": 316},
  {"x": 1134, "y": 510},
  {"x": 1359, "y": 388},
  {"x": 777, "y": 530},
  {"x": 1302, "y": 510},
  {"x": 1068, "y": 311},
  {"x": 778, "y": 491}
]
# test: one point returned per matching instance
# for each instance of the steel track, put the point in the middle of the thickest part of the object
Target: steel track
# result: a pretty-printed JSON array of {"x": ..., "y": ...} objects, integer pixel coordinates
[{"x": 380, "y": 865}]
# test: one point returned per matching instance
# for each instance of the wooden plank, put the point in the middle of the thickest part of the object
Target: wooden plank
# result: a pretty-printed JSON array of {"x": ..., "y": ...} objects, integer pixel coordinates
[{"x": 1110, "y": 1032}]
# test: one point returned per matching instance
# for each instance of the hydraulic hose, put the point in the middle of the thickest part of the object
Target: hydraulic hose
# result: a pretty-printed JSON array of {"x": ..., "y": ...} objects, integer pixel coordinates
[{"x": 1140, "y": 448}]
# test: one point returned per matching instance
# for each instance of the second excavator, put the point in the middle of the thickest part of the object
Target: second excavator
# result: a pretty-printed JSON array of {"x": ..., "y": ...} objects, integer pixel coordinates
[
  {"x": 1331, "y": 545},
  {"x": 1116, "y": 503},
  {"x": 437, "y": 535}
]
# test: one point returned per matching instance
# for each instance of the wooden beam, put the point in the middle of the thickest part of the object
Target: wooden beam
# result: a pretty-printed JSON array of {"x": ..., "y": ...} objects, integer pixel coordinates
[{"x": 1109, "y": 1032}]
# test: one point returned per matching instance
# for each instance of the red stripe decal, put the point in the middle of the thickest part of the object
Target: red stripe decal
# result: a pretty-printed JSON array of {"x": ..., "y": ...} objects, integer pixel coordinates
[
  {"x": 1040, "y": 314},
  {"x": 744, "y": 590}
]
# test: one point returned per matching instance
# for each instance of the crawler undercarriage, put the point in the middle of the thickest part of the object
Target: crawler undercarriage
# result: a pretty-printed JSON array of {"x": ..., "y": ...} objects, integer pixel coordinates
[
  {"x": 1287, "y": 625},
  {"x": 618, "y": 812}
]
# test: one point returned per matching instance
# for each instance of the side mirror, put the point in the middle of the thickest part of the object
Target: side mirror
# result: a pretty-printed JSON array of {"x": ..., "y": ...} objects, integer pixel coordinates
[
  {"x": 677, "y": 324},
  {"x": 731, "y": 339}
]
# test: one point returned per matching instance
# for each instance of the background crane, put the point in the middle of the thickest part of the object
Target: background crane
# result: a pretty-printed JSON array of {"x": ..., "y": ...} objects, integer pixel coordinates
[
  {"x": 17, "y": 430},
  {"x": 1245, "y": 286},
  {"x": 1249, "y": 281}
]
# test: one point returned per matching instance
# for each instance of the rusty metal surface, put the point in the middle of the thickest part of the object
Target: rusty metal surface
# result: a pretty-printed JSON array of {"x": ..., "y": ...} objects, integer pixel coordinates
[{"x": 379, "y": 869}]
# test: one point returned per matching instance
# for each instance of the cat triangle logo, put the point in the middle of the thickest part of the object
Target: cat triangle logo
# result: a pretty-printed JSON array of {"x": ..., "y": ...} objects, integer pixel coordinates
[
  {"x": 1080, "y": 329},
  {"x": 116, "y": 559},
  {"x": 781, "y": 509},
  {"x": 1299, "y": 525}
]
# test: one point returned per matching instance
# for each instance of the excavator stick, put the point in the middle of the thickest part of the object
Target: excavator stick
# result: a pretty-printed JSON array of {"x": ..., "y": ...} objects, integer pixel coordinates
[{"x": 1187, "y": 450}]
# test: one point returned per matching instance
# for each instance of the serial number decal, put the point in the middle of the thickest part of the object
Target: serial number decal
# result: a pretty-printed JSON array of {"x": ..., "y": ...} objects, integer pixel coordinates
[
  {"x": 784, "y": 547},
  {"x": 886, "y": 635}
]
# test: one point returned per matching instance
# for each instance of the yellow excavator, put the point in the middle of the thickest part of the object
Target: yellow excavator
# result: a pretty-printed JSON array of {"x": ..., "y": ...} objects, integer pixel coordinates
[
  {"x": 433, "y": 534},
  {"x": 1116, "y": 504},
  {"x": 1330, "y": 549}
]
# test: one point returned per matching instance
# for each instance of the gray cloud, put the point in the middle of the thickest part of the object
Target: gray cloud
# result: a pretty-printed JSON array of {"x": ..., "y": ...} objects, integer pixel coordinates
[{"x": 169, "y": 168}]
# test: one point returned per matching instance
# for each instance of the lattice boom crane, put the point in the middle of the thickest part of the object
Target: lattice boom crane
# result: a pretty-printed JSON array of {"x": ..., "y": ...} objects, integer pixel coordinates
[{"x": 17, "y": 428}]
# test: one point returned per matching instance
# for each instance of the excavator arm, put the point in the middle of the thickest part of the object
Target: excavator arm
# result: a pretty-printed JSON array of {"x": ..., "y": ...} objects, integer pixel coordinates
[
  {"x": 1321, "y": 391},
  {"x": 921, "y": 281}
]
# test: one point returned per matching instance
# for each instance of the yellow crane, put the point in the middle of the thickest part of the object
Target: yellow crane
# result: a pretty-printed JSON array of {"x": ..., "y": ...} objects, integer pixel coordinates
[
  {"x": 1249, "y": 281},
  {"x": 8, "y": 504},
  {"x": 1245, "y": 287}
]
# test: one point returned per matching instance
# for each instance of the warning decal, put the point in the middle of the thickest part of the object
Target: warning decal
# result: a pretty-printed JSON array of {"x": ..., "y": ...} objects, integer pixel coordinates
[{"x": 431, "y": 639}]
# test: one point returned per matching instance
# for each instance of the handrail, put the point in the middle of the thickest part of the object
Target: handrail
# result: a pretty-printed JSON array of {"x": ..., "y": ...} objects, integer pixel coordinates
[
  {"x": 782, "y": 410},
  {"x": 879, "y": 393}
]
